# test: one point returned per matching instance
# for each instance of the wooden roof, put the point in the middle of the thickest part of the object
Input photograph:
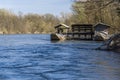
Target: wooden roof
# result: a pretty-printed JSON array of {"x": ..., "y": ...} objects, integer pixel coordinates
[
  {"x": 82, "y": 25},
  {"x": 64, "y": 25},
  {"x": 102, "y": 25}
]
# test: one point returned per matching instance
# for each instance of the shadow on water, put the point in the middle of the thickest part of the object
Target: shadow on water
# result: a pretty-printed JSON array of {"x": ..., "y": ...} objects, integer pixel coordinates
[{"x": 35, "y": 57}]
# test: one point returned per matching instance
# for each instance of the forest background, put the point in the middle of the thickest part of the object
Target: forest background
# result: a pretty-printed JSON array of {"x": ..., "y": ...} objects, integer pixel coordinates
[{"x": 83, "y": 12}]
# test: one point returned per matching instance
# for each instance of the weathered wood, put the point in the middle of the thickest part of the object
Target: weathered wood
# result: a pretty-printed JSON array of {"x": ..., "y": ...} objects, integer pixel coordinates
[
  {"x": 57, "y": 37},
  {"x": 60, "y": 29},
  {"x": 78, "y": 32},
  {"x": 101, "y": 32},
  {"x": 82, "y": 31}
]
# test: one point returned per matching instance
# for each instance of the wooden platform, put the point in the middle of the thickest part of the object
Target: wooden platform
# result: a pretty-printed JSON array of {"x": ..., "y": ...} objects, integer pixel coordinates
[
  {"x": 81, "y": 32},
  {"x": 76, "y": 32}
]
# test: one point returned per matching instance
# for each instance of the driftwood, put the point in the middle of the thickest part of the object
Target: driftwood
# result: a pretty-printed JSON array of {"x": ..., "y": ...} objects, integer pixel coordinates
[{"x": 111, "y": 44}]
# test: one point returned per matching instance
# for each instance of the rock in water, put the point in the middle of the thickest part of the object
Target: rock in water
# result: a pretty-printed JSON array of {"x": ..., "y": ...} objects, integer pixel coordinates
[{"x": 112, "y": 44}]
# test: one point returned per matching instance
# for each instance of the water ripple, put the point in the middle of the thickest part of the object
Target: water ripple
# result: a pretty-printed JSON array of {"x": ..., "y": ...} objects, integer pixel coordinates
[{"x": 35, "y": 57}]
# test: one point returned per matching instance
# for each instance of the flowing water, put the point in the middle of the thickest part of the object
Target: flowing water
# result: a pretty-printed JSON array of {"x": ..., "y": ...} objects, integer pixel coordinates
[{"x": 35, "y": 57}]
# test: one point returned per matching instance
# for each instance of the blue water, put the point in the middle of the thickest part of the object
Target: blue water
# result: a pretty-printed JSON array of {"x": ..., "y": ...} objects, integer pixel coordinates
[{"x": 35, "y": 57}]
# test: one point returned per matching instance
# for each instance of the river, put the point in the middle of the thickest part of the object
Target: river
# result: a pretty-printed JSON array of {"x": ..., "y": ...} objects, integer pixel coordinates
[{"x": 35, "y": 57}]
